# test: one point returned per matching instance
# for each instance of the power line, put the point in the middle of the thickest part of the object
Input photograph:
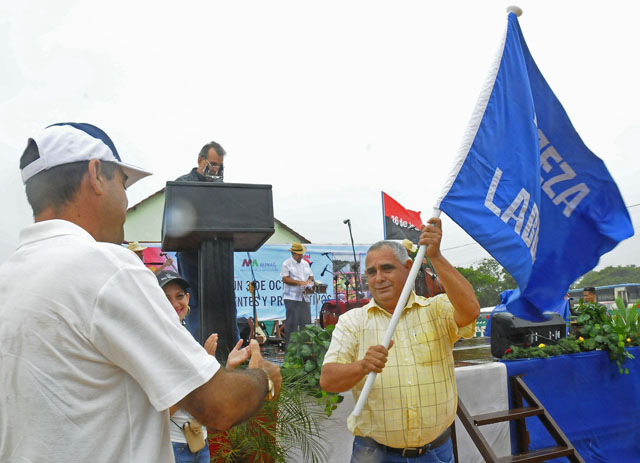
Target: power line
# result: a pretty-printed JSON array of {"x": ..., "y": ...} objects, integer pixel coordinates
[{"x": 461, "y": 246}]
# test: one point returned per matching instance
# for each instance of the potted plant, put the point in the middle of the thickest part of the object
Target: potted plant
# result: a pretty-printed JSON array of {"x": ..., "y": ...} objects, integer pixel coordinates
[
  {"x": 597, "y": 329},
  {"x": 292, "y": 421}
]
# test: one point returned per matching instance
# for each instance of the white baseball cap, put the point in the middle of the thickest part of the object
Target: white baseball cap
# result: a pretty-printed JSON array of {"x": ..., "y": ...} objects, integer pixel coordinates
[{"x": 67, "y": 142}]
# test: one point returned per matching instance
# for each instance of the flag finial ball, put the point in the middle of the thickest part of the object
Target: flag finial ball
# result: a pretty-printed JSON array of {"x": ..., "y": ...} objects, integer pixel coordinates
[{"x": 515, "y": 10}]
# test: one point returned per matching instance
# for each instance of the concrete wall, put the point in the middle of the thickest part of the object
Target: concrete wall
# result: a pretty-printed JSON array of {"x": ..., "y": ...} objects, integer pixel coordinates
[{"x": 144, "y": 222}]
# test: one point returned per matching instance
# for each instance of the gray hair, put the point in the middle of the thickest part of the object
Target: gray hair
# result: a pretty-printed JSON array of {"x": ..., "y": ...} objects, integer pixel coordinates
[
  {"x": 398, "y": 250},
  {"x": 204, "y": 151}
]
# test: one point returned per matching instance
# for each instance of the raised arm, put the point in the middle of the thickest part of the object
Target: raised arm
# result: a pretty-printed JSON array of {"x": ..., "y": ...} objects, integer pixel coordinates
[
  {"x": 458, "y": 289},
  {"x": 231, "y": 397},
  {"x": 167, "y": 263}
]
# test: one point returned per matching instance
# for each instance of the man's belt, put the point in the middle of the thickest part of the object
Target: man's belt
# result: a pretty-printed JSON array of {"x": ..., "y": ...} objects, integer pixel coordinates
[{"x": 413, "y": 452}]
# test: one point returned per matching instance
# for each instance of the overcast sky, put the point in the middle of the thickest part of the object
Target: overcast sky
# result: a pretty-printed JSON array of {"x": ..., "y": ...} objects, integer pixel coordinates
[{"x": 330, "y": 102}]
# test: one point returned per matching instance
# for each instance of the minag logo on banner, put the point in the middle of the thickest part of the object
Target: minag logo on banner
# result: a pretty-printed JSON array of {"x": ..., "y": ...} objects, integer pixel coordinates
[{"x": 255, "y": 263}]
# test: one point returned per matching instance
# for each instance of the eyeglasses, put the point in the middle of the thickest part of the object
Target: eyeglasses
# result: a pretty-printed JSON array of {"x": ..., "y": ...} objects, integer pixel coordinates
[
  {"x": 213, "y": 171},
  {"x": 213, "y": 164}
]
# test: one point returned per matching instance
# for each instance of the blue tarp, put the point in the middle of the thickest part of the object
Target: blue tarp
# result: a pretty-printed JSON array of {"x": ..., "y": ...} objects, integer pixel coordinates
[{"x": 594, "y": 405}]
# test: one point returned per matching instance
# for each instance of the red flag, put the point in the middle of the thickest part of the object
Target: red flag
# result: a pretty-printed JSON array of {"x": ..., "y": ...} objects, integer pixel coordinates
[{"x": 399, "y": 223}]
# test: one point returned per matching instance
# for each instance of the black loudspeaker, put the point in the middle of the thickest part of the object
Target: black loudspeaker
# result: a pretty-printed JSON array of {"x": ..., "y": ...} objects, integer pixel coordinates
[{"x": 508, "y": 330}]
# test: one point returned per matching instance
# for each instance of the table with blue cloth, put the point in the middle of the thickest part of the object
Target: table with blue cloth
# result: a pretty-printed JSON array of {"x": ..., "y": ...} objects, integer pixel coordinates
[{"x": 593, "y": 403}]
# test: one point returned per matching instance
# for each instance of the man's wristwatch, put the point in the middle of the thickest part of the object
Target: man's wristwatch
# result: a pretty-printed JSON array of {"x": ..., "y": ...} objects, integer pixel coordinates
[{"x": 271, "y": 391}]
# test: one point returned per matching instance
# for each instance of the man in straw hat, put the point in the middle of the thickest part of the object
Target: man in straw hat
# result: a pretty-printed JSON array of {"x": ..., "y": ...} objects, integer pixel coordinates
[
  {"x": 138, "y": 249},
  {"x": 296, "y": 275},
  {"x": 95, "y": 356}
]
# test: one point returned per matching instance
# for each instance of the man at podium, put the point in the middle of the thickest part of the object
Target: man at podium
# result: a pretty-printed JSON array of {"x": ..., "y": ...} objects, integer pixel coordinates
[
  {"x": 210, "y": 165},
  {"x": 210, "y": 169}
]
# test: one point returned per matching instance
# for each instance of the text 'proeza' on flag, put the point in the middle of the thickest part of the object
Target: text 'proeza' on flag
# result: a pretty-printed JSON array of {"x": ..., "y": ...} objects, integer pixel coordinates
[{"x": 526, "y": 187}]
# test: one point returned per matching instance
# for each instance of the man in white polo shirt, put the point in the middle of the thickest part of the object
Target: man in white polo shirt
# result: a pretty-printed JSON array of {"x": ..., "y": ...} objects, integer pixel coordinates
[
  {"x": 91, "y": 351},
  {"x": 296, "y": 275}
]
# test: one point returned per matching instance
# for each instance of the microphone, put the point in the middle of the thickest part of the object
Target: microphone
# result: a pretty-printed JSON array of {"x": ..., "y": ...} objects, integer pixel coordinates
[
  {"x": 217, "y": 177},
  {"x": 347, "y": 221},
  {"x": 323, "y": 270},
  {"x": 325, "y": 253}
]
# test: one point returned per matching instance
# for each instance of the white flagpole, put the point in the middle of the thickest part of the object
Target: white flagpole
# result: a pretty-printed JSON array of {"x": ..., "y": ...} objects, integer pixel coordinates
[
  {"x": 468, "y": 139},
  {"x": 402, "y": 301}
]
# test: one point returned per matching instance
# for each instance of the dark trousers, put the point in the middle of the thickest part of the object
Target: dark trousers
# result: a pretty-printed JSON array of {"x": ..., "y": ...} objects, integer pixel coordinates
[
  {"x": 298, "y": 315},
  {"x": 365, "y": 451},
  {"x": 188, "y": 269}
]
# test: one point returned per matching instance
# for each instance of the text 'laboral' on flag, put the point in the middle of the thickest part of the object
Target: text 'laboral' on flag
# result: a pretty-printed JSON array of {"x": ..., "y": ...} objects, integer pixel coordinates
[
  {"x": 527, "y": 189},
  {"x": 559, "y": 183}
]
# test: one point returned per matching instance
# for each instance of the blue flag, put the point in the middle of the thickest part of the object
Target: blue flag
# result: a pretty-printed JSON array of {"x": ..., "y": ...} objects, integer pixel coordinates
[{"x": 526, "y": 187}]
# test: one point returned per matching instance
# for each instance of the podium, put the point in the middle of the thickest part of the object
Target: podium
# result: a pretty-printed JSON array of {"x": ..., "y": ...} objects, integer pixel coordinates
[{"x": 214, "y": 220}]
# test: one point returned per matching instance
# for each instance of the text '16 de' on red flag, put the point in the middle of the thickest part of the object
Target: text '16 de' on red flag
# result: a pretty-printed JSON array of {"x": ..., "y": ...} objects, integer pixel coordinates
[{"x": 399, "y": 223}]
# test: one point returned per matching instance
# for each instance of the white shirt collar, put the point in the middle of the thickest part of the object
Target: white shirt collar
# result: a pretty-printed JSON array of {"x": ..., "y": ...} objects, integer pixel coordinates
[{"x": 50, "y": 228}]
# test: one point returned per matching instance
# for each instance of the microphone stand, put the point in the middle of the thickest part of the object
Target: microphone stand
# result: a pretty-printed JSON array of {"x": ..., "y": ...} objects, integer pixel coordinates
[
  {"x": 355, "y": 262},
  {"x": 321, "y": 275},
  {"x": 252, "y": 290},
  {"x": 335, "y": 277},
  {"x": 346, "y": 293}
]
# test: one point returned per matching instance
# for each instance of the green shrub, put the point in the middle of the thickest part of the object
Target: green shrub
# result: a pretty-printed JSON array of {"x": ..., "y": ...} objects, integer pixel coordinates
[
  {"x": 303, "y": 362},
  {"x": 597, "y": 329}
]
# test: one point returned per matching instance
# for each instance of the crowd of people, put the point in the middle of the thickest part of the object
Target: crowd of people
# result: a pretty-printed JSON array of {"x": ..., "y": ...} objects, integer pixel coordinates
[{"x": 98, "y": 366}]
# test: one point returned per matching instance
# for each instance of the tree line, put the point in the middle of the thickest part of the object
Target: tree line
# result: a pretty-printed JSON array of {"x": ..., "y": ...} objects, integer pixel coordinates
[
  {"x": 489, "y": 279},
  {"x": 609, "y": 276}
]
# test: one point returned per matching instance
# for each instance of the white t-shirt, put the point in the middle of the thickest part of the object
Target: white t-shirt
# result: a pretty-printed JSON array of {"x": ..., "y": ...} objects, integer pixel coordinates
[
  {"x": 298, "y": 271},
  {"x": 91, "y": 352},
  {"x": 178, "y": 419}
]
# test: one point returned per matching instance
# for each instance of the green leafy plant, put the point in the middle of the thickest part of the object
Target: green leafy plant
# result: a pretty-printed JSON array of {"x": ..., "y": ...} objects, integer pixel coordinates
[
  {"x": 568, "y": 345},
  {"x": 597, "y": 329},
  {"x": 292, "y": 421},
  {"x": 303, "y": 363},
  {"x": 612, "y": 332}
]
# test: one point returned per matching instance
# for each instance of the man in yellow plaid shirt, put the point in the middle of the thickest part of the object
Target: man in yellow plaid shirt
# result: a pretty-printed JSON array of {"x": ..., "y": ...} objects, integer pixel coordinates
[{"x": 413, "y": 400}]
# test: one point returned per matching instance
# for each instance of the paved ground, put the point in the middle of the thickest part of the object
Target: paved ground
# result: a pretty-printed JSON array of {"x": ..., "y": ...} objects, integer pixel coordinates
[{"x": 472, "y": 351}]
